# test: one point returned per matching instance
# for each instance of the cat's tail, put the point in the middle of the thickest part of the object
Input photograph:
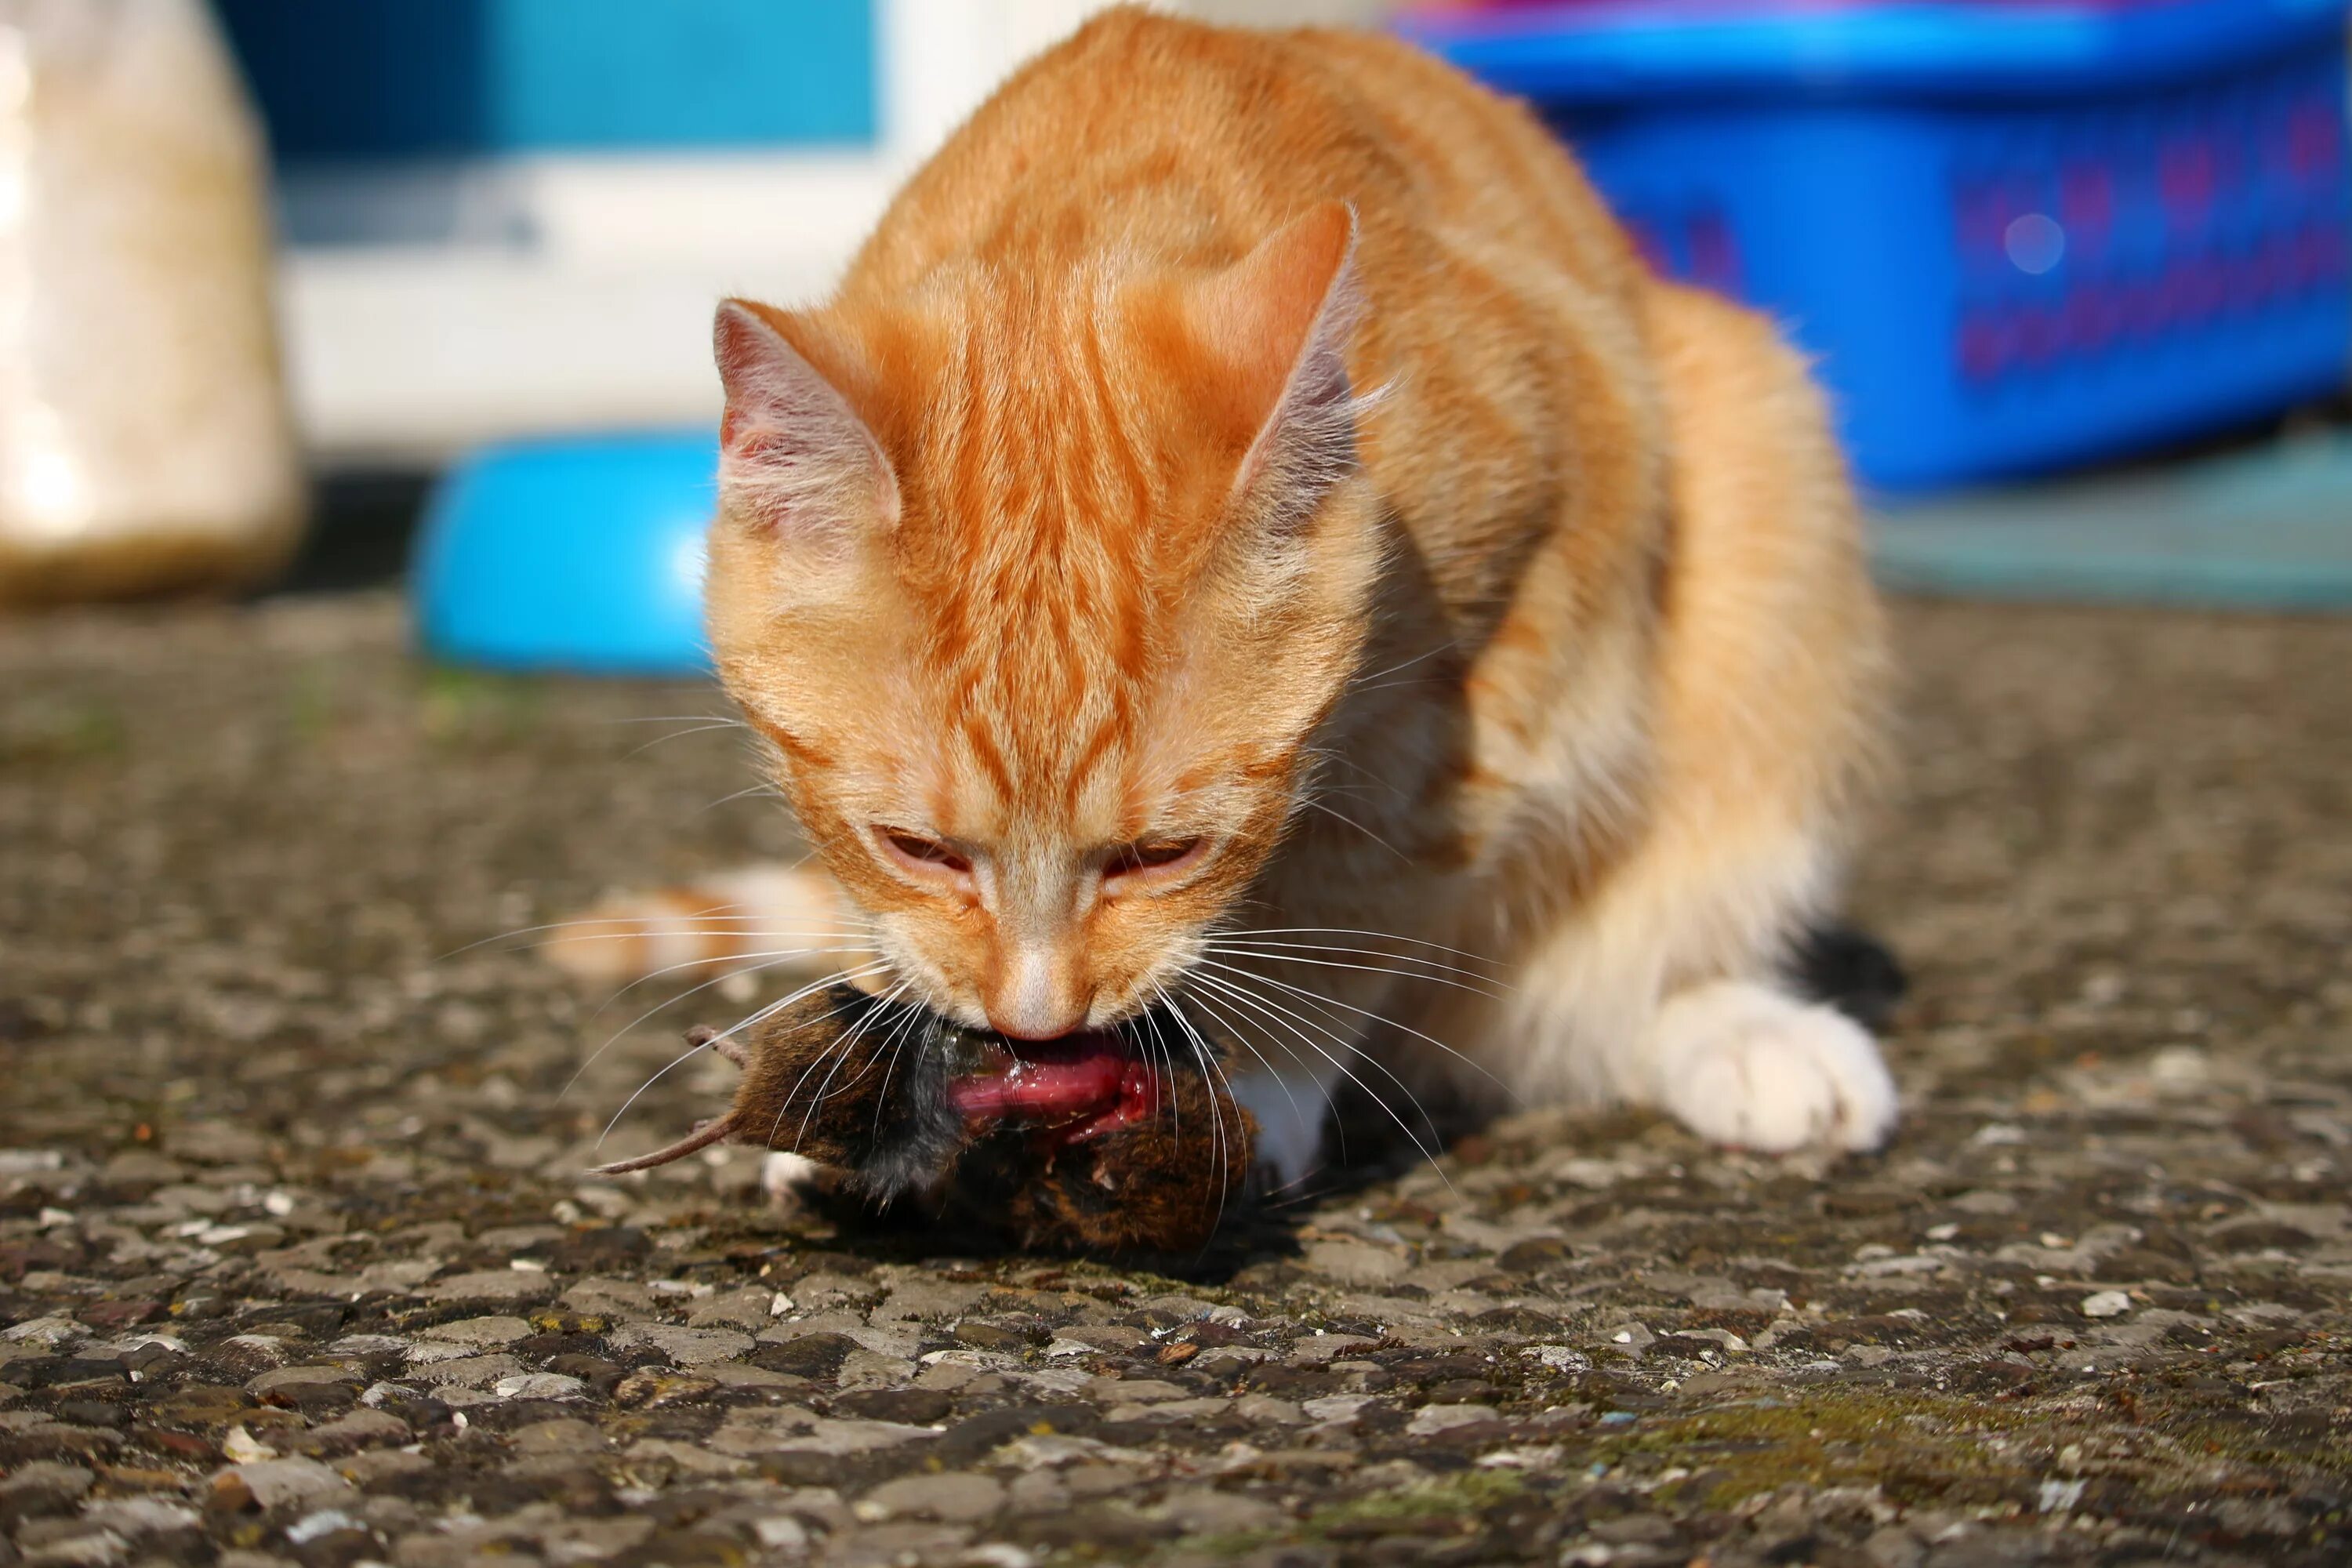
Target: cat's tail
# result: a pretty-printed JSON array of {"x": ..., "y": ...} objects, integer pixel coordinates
[{"x": 782, "y": 920}]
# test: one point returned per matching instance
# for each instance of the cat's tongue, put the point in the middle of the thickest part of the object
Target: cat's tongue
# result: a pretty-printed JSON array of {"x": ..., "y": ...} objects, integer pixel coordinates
[{"x": 1086, "y": 1083}]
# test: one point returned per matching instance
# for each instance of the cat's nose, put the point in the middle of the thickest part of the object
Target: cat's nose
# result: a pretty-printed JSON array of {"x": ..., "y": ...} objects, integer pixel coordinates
[
  {"x": 1020, "y": 1018},
  {"x": 1036, "y": 999}
]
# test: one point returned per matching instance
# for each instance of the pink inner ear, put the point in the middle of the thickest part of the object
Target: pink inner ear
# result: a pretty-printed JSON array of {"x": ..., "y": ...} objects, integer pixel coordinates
[
  {"x": 747, "y": 443},
  {"x": 792, "y": 449},
  {"x": 1277, "y": 323},
  {"x": 742, "y": 440},
  {"x": 1256, "y": 317}
]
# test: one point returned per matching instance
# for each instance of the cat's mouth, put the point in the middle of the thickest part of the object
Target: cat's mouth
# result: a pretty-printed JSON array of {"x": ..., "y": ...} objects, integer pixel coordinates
[{"x": 1079, "y": 1087}]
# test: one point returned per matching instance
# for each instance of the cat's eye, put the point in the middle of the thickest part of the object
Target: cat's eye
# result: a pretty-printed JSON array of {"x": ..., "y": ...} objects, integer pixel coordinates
[
  {"x": 1152, "y": 855},
  {"x": 919, "y": 851}
]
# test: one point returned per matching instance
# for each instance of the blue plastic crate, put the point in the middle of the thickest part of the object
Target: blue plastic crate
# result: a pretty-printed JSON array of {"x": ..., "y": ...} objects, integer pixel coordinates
[{"x": 2015, "y": 236}]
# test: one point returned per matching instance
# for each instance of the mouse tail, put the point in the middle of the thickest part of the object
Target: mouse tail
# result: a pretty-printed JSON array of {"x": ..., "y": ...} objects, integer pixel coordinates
[{"x": 702, "y": 1137}]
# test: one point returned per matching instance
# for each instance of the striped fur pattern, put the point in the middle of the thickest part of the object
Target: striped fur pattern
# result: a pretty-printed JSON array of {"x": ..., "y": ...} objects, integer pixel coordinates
[{"x": 1248, "y": 529}]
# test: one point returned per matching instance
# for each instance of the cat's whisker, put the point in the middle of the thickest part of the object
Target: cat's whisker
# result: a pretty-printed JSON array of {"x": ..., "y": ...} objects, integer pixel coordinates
[
  {"x": 840, "y": 1054},
  {"x": 756, "y": 1019},
  {"x": 1333, "y": 1028},
  {"x": 761, "y": 788},
  {"x": 1275, "y": 959},
  {"x": 1201, "y": 1053},
  {"x": 1207, "y": 1057},
  {"x": 838, "y": 1043},
  {"x": 1281, "y": 1080},
  {"x": 1132, "y": 1028},
  {"x": 856, "y": 939},
  {"x": 1323, "y": 755},
  {"x": 1289, "y": 953},
  {"x": 760, "y": 1015},
  {"x": 767, "y": 961},
  {"x": 895, "y": 1045},
  {"x": 1394, "y": 685},
  {"x": 1291, "y": 1192},
  {"x": 1348, "y": 791},
  {"x": 1242, "y": 997},
  {"x": 1309, "y": 803},
  {"x": 702, "y": 926},
  {"x": 1482, "y": 968},
  {"x": 897, "y": 1019},
  {"x": 758, "y": 959},
  {"x": 1262, "y": 960},
  {"x": 1446, "y": 646},
  {"x": 614, "y": 1037},
  {"x": 1370, "y": 1016},
  {"x": 686, "y": 1055},
  {"x": 681, "y": 734},
  {"x": 1256, "y": 932}
]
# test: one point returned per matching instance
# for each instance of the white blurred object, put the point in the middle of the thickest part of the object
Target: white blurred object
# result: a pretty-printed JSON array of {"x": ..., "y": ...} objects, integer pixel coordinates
[
  {"x": 144, "y": 442},
  {"x": 581, "y": 297},
  {"x": 1294, "y": 13}
]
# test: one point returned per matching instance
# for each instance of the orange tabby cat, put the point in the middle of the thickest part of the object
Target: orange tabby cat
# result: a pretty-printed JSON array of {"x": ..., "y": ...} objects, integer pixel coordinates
[{"x": 1249, "y": 528}]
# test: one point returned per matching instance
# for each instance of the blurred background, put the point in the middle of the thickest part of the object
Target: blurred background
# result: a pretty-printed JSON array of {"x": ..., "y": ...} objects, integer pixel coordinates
[
  {"x": 355, "y": 393},
  {"x": 277, "y": 280}
]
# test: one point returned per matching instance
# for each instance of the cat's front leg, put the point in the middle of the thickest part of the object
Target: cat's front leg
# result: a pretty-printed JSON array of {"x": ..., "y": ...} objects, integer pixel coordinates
[
  {"x": 1292, "y": 1107},
  {"x": 1746, "y": 1058},
  {"x": 1274, "y": 1068},
  {"x": 1295, "y": 1004},
  {"x": 1742, "y": 1062}
]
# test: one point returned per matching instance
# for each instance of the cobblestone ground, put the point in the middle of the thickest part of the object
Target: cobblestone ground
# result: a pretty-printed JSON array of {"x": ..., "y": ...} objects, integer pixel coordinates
[{"x": 297, "y": 1262}]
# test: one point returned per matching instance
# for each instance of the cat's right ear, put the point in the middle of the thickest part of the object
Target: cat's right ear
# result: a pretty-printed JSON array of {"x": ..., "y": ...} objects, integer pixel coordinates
[
  {"x": 794, "y": 455},
  {"x": 1276, "y": 324}
]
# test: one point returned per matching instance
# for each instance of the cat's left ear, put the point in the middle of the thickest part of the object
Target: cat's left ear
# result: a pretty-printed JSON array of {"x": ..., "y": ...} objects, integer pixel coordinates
[
  {"x": 794, "y": 455},
  {"x": 1277, "y": 323}
]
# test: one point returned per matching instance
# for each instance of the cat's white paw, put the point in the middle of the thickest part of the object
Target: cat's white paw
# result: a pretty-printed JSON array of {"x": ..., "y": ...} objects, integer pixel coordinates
[{"x": 1741, "y": 1064}]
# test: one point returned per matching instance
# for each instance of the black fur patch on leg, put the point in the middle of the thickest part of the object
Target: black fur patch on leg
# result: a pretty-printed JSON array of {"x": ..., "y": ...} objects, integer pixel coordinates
[{"x": 1850, "y": 971}]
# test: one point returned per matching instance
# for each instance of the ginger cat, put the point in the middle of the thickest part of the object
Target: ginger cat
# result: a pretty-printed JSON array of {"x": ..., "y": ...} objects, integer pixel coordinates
[{"x": 1250, "y": 531}]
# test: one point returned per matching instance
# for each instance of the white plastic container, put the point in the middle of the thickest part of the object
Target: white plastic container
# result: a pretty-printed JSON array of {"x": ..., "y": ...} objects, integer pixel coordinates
[{"x": 145, "y": 440}]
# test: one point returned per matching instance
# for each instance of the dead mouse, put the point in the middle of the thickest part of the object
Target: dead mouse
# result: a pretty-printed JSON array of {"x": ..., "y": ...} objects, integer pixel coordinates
[{"x": 1108, "y": 1141}]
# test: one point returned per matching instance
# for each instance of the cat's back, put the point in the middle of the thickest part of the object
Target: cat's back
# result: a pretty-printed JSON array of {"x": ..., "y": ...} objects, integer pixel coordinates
[
  {"x": 1147, "y": 134},
  {"x": 1504, "y": 308}
]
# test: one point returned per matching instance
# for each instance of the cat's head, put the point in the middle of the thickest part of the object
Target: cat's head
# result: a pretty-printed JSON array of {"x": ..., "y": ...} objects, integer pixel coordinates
[{"x": 1040, "y": 585}]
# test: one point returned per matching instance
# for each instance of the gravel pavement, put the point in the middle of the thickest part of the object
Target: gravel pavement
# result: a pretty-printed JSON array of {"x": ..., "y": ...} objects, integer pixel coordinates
[{"x": 298, "y": 1263}]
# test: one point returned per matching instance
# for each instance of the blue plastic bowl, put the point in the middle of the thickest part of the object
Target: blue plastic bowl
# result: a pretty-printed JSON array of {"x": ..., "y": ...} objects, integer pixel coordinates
[{"x": 583, "y": 554}]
